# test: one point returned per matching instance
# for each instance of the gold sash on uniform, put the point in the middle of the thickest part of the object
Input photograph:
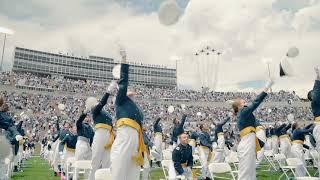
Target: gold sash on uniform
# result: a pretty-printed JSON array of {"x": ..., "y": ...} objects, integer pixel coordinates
[
  {"x": 210, "y": 153},
  {"x": 259, "y": 128},
  {"x": 284, "y": 136},
  {"x": 317, "y": 119},
  {"x": 141, "y": 148},
  {"x": 69, "y": 149},
  {"x": 111, "y": 132},
  {"x": 248, "y": 130},
  {"x": 298, "y": 141},
  {"x": 220, "y": 133}
]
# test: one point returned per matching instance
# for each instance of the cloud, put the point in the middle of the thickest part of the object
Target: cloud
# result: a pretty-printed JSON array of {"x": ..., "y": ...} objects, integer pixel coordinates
[{"x": 245, "y": 31}]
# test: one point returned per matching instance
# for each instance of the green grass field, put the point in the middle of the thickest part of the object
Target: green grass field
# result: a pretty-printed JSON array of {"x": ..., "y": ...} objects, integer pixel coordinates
[{"x": 37, "y": 169}]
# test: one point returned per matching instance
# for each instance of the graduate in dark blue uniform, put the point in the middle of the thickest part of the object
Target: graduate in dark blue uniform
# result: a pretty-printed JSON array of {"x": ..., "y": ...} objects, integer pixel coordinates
[
  {"x": 147, "y": 160},
  {"x": 205, "y": 150},
  {"x": 298, "y": 137},
  {"x": 104, "y": 133},
  {"x": 182, "y": 159},
  {"x": 178, "y": 128},
  {"x": 128, "y": 148},
  {"x": 69, "y": 143},
  {"x": 249, "y": 143},
  {"x": 85, "y": 138},
  {"x": 158, "y": 136},
  {"x": 7, "y": 122},
  {"x": 314, "y": 97}
]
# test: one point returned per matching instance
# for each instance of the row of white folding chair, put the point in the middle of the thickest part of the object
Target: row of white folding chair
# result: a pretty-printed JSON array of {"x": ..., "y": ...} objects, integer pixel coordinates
[
  {"x": 316, "y": 159},
  {"x": 269, "y": 156},
  {"x": 165, "y": 164},
  {"x": 84, "y": 165},
  {"x": 69, "y": 166},
  {"x": 103, "y": 174},
  {"x": 221, "y": 168},
  {"x": 233, "y": 159}
]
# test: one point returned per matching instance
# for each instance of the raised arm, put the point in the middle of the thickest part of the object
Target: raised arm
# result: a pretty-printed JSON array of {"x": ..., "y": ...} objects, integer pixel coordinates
[
  {"x": 316, "y": 89},
  {"x": 255, "y": 104},
  {"x": 80, "y": 120},
  {"x": 225, "y": 121},
  {"x": 287, "y": 127},
  {"x": 19, "y": 126},
  {"x": 123, "y": 84},
  {"x": 57, "y": 124},
  {"x": 308, "y": 126},
  {"x": 183, "y": 120},
  {"x": 157, "y": 122}
]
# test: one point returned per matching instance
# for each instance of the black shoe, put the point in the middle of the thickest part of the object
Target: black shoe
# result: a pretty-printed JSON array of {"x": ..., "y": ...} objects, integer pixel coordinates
[
  {"x": 158, "y": 163},
  {"x": 55, "y": 174},
  {"x": 207, "y": 178},
  {"x": 15, "y": 169}
]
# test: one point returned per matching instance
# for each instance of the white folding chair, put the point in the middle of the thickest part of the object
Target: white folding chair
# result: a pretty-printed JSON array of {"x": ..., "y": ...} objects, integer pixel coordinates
[
  {"x": 103, "y": 174},
  {"x": 308, "y": 178},
  {"x": 281, "y": 162},
  {"x": 233, "y": 159},
  {"x": 220, "y": 168},
  {"x": 269, "y": 157},
  {"x": 84, "y": 165},
  {"x": 167, "y": 155},
  {"x": 316, "y": 159},
  {"x": 70, "y": 162},
  {"x": 165, "y": 168},
  {"x": 293, "y": 163}
]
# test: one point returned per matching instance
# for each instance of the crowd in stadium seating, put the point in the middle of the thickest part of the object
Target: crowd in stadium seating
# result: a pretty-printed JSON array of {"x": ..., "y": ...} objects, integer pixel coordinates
[{"x": 96, "y": 87}]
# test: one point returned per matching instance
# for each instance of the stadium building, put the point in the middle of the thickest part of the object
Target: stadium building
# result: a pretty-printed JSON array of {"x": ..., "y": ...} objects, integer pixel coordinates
[{"x": 91, "y": 68}]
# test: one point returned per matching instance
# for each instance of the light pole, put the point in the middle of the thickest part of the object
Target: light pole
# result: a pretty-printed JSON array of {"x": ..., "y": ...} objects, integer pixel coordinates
[
  {"x": 176, "y": 59},
  {"x": 3, "y": 47},
  {"x": 6, "y": 32}
]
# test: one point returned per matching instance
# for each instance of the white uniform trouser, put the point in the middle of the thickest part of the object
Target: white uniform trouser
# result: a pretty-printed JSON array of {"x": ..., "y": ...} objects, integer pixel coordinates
[
  {"x": 247, "y": 157},
  {"x": 204, "y": 153},
  {"x": 83, "y": 150},
  {"x": 100, "y": 155},
  {"x": 219, "y": 153},
  {"x": 268, "y": 145},
  {"x": 308, "y": 143},
  {"x": 275, "y": 144},
  {"x": 297, "y": 152},
  {"x": 56, "y": 156},
  {"x": 66, "y": 154},
  {"x": 158, "y": 145},
  {"x": 123, "y": 149},
  {"x": 146, "y": 168},
  {"x": 285, "y": 146},
  {"x": 261, "y": 134},
  {"x": 173, "y": 174},
  {"x": 316, "y": 135}
]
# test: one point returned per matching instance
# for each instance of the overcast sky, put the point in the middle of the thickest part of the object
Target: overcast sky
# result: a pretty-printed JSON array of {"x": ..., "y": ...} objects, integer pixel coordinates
[{"x": 245, "y": 31}]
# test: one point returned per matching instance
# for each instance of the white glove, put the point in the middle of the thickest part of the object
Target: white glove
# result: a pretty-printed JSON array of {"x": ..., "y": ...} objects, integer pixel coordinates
[
  {"x": 123, "y": 52},
  {"x": 230, "y": 114},
  {"x": 19, "y": 137},
  {"x": 112, "y": 87},
  {"x": 269, "y": 84}
]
